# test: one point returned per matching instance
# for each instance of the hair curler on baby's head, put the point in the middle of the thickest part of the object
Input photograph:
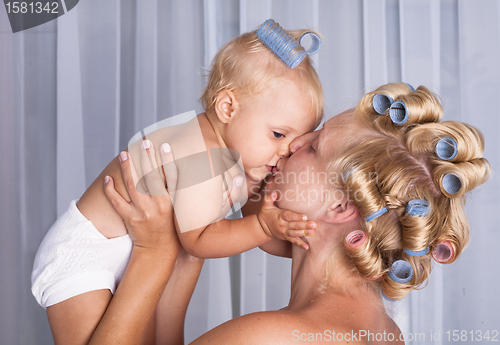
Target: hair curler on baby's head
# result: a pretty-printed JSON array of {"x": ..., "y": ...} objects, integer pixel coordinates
[{"x": 284, "y": 46}]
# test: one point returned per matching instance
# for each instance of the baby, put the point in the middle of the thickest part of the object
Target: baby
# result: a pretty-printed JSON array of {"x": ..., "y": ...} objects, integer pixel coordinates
[{"x": 255, "y": 105}]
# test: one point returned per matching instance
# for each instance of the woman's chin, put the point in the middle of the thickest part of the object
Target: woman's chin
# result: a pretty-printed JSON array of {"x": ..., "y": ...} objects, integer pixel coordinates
[{"x": 271, "y": 185}]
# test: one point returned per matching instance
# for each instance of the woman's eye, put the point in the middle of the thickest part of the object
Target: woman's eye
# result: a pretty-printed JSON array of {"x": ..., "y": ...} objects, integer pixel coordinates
[{"x": 278, "y": 135}]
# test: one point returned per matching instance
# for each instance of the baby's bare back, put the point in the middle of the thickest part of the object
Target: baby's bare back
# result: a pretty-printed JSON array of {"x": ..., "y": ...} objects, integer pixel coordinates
[{"x": 189, "y": 142}]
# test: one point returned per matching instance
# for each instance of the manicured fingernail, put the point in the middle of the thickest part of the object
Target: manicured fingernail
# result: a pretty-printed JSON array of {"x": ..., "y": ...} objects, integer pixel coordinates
[
  {"x": 146, "y": 144},
  {"x": 166, "y": 148},
  {"x": 304, "y": 218},
  {"x": 306, "y": 247},
  {"x": 311, "y": 231},
  {"x": 238, "y": 181},
  {"x": 106, "y": 179},
  {"x": 123, "y": 156}
]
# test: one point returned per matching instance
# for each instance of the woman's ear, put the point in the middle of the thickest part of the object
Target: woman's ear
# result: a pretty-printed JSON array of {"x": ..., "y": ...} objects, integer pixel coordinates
[
  {"x": 226, "y": 105},
  {"x": 342, "y": 212}
]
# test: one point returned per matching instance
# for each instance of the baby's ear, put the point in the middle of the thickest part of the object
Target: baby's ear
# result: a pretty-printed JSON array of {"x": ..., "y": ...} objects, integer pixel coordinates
[
  {"x": 226, "y": 105},
  {"x": 342, "y": 212}
]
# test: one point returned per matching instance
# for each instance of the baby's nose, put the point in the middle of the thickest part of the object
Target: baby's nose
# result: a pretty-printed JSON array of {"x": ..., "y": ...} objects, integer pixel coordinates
[{"x": 284, "y": 151}]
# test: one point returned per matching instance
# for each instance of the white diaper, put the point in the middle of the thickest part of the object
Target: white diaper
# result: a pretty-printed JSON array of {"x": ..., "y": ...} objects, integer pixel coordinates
[{"x": 74, "y": 257}]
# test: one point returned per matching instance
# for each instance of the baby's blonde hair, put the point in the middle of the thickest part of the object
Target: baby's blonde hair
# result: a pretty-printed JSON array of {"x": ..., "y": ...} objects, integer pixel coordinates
[
  {"x": 395, "y": 164},
  {"x": 237, "y": 67}
]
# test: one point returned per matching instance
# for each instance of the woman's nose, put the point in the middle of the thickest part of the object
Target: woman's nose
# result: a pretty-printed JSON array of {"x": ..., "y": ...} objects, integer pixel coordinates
[{"x": 304, "y": 139}]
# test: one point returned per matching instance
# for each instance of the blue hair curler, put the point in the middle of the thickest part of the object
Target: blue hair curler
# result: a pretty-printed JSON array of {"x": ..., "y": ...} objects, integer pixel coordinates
[
  {"x": 401, "y": 271},
  {"x": 387, "y": 298},
  {"x": 346, "y": 175},
  {"x": 398, "y": 113},
  {"x": 418, "y": 208},
  {"x": 451, "y": 184},
  {"x": 416, "y": 253},
  {"x": 446, "y": 148},
  {"x": 381, "y": 103},
  {"x": 376, "y": 214},
  {"x": 411, "y": 87},
  {"x": 284, "y": 46},
  {"x": 315, "y": 44}
]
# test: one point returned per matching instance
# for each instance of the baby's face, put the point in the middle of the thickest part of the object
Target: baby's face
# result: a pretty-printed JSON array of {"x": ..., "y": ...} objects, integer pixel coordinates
[{"x": 266, "y": 125}]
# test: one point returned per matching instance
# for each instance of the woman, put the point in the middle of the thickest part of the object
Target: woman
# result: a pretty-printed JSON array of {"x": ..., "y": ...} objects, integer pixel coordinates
[{"x": 387, "y": 192}]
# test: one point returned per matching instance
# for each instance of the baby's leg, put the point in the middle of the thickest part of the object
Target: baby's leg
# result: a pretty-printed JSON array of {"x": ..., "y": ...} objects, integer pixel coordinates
[{"x": 95, "y": 206}]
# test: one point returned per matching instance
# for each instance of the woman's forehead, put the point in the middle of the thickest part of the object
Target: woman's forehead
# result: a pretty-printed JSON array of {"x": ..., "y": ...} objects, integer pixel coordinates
[
  {"x": 340, "y": 119},
  {"x": 338, "y": 131}
]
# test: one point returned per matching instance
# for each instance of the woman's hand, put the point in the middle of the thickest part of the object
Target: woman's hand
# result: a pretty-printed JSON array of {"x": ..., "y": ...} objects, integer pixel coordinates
[
  {"x": 148, "y": 217},
  {"x": 149, "y": 220}
]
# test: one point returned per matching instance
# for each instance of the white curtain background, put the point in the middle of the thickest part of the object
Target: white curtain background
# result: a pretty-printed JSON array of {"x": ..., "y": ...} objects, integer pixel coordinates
[{"x": 74, "y": 91}]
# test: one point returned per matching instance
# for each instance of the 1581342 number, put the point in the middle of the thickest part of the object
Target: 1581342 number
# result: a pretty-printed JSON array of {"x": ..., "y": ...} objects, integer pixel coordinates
[{"x": 33, "y": 7}]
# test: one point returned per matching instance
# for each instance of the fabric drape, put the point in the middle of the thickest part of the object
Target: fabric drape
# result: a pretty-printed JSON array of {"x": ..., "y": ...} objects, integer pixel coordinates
[{"x": 75, "y": 90}]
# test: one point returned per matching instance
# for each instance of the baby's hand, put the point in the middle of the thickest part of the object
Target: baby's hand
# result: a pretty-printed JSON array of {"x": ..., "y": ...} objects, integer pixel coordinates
[{"x": 284, "y": 224}]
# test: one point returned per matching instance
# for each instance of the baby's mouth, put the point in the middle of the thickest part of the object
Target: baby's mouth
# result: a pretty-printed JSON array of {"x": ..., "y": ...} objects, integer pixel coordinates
[{"x": 270, "y": 168}]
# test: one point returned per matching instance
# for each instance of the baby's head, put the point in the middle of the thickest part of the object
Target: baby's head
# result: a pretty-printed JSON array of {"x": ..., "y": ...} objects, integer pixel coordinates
[{"x": 260, "y": 105}]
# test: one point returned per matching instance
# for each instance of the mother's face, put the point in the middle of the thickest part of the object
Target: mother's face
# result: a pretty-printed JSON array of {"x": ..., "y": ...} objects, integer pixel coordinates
[{"x": 302, "y": 182}]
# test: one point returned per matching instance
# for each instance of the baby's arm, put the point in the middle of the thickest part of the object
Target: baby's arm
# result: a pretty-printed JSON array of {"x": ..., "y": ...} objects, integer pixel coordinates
[
  {"x": 230, "y": 237},
  {"x": 224, "y": 238},
  {"x": 275, "y": 246}
]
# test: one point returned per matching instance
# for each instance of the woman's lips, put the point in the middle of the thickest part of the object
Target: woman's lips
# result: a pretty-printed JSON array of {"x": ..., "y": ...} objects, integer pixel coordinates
[
  {"x": 277, "y": 168},
  {"x": 274, "y": 168}
]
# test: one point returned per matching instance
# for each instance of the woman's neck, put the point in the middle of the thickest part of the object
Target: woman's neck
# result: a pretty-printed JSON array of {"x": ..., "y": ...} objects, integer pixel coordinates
[
  {"x": 308, "y": 271},
  {"x": 347, "y": 301},
  {"x": 309, "y": 278}
]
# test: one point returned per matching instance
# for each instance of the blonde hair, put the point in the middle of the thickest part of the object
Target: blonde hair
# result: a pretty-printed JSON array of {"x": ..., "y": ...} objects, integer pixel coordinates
[
  {"x": 395, "y": 164},
  {"x": 237, "y": 67}
]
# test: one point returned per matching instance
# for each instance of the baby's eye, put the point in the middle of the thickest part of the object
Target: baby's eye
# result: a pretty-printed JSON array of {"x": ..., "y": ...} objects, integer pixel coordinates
[{"x": 278, "y": 135}]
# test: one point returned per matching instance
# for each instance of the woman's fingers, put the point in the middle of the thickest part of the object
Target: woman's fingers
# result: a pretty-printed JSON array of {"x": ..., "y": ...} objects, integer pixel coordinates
[
  {"x": 120, "y": 205},
  {"x": 152, "y": 176},
  {"x": 148, "y": 219},
  {"x": 237, "y": 190},
  {"x": 169, "y": 169},
  {"x": 234, "y": 191},
  {"x": 129, "y": 174}
]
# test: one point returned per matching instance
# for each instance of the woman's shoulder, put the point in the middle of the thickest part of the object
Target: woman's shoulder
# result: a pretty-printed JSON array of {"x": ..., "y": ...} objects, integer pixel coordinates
[
  {"x": 283, "y": 327},
  {"x": 269, "y": 327}
]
